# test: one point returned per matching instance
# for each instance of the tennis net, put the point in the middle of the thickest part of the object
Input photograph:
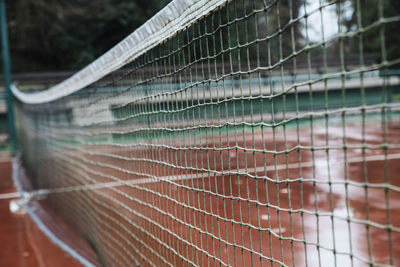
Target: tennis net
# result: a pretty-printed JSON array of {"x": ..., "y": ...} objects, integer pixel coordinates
[{"x": 230, "y": 133}]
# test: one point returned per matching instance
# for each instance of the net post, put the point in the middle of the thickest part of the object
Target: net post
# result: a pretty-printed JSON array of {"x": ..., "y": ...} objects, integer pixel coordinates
[{"x": 7, "y": 76}]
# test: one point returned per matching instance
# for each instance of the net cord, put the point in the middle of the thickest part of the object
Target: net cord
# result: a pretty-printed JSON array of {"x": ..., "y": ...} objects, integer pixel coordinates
[{"x": 176, "y": 16}]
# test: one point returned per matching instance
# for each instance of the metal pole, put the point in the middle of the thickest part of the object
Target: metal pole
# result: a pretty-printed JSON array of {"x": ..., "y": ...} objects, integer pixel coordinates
[{"x": 7, "y": 75}]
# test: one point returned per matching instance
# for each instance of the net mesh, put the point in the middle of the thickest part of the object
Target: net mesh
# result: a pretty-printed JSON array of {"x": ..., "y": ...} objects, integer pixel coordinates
[{"x": 265, "y": 133}]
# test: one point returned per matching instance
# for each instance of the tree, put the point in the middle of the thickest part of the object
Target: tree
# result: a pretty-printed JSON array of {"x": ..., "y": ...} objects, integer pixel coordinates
[
  {"x": 69, "y": 34},
  {"x": 366, "y": 13}
]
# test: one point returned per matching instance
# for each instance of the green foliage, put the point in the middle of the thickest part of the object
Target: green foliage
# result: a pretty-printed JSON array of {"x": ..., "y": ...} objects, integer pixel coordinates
[
  {"x": 386, "y": 35},
  {"x": 69, "y": 34}
]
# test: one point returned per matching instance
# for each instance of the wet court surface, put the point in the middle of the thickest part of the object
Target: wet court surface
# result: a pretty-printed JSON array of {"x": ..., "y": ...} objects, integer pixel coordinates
[
  {"x": 249, "y": 199},
  {"x": 21, "y": 242},
  {"x": 248, "y": 205}
]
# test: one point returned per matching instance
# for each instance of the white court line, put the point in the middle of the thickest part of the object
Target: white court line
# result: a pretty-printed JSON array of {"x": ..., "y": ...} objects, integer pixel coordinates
[
  {"x": 332, "y": 162},
  {"x": 43, "y": 192},
  {"x": 243, "y": 171},
  {"x": 9, "y": 195}
]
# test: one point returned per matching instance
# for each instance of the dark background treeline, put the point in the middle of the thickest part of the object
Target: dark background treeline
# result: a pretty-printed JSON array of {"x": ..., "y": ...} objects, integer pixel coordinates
[
  {"x": 54, "y": 35},
  {"x": 68, "y": 34}
]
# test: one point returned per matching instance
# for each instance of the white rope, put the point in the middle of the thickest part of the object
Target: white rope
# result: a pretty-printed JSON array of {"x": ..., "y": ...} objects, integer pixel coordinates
[{"x": 175, "y": 17}]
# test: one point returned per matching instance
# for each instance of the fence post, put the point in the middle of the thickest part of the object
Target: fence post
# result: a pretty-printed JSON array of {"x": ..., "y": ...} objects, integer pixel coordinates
[{"x": 7, "y": 76}]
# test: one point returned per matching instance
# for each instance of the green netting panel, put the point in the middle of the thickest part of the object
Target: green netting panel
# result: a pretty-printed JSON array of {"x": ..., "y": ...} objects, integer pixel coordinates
[{"x": 266, "y": 133}]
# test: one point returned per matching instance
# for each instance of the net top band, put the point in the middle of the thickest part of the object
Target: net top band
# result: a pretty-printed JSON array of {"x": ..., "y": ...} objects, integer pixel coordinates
[{"x": 175, "y": 17}]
